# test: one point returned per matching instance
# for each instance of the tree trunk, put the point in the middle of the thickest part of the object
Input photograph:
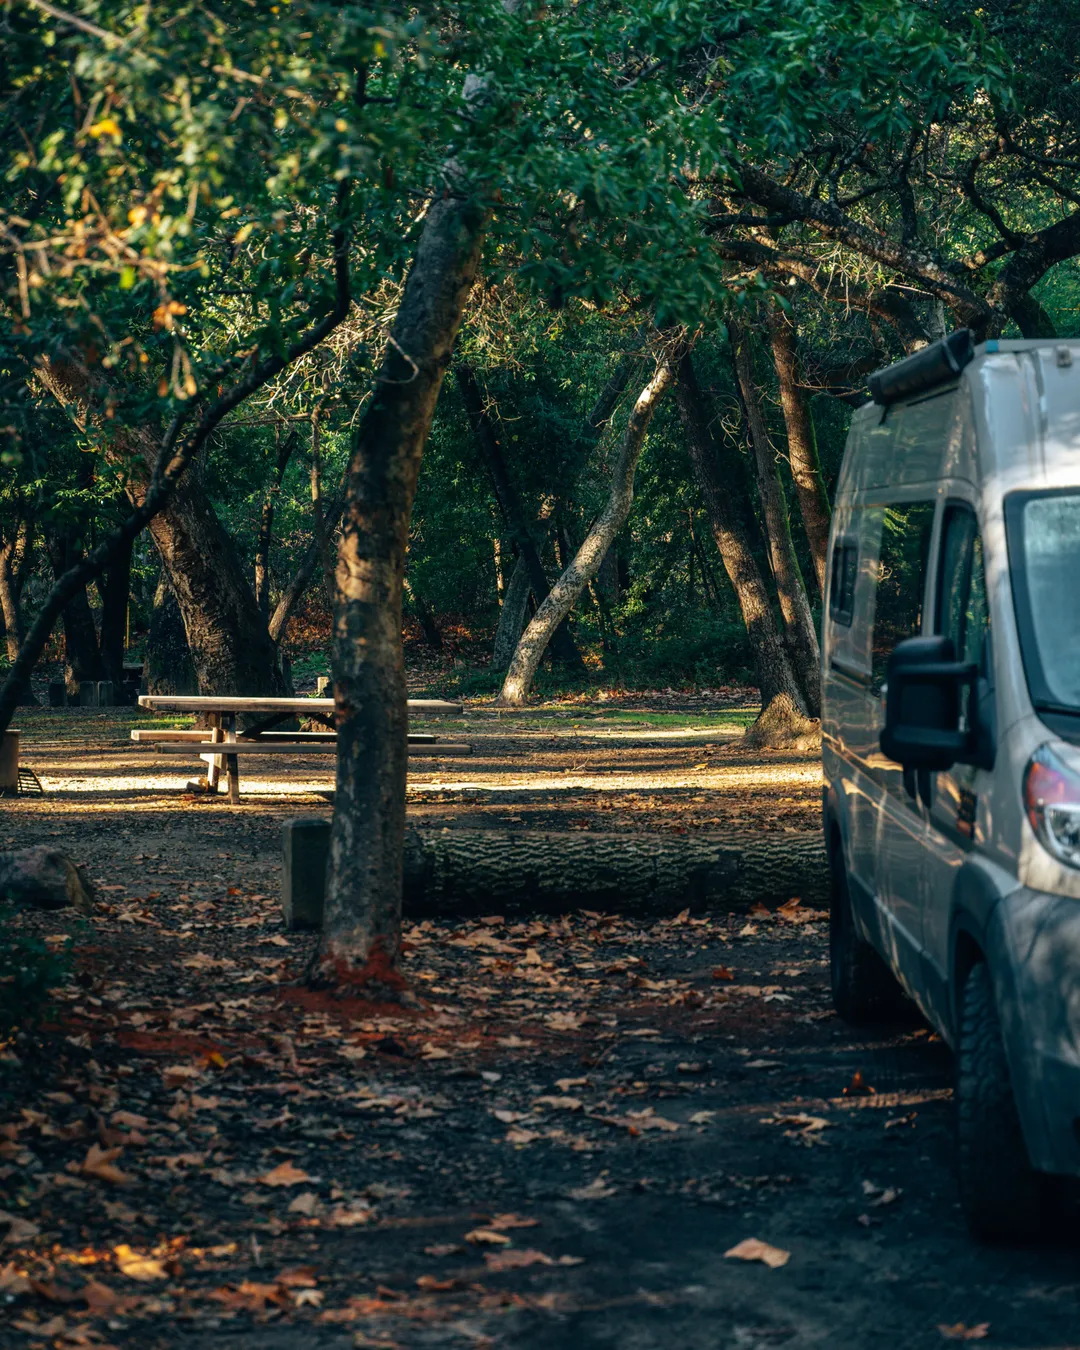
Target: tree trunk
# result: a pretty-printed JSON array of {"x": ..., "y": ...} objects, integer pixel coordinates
[
  {"x": 82, "y": 655},
  {"x": 775, "y": 678},
  {"x": 424, "y": 616},
  {"x": 230, "y": 646},
  {"x": 799, "y": 634},
  {"x": 266, "y": 525},
  {"x": 169, "y": 668},
  {"x": 802, "y": 443},
  {"x": 563, "y": 648},
  {"x": 515, "y": 606},
  {"x": 452, "y": 873},
  {"x": 590, "y": 555},
  {"x": 362, "y": 938},
  {"x": 309, "y": 565},
  {"x": 14, "y": 564},
  {"x": 115, "y": 594}
]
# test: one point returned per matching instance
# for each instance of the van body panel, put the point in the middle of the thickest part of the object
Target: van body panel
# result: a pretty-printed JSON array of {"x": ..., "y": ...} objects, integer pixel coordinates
[{"x": 935, "y": 887}]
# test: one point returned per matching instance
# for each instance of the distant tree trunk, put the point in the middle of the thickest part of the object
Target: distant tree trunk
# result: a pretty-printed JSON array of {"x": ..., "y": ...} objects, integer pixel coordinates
[
  {"x": 799, "y": 634},
  {"x": 285, "y": 447},
  {"x": 169, "y": 669},
  {"x": 82, "y": 655},
  {"x": 487, "y": 439},
  {"x": 321, "y": 528},
  {"x": 515, "y": 607},
  {"x": 500, "y": 571},
  {"x": 424, "y": 616},
  {"x": 802, "y": 443},
  {"x": 362, "y": 931},
  {"x": 14, "y": 565},
  {"x": 230, "y": 646},
  {"x": 309, "y": 565},
  {"x": 115, "y": 594},
  {"x": 590, "y": 555},
  {"x": 782, "y": 710}
]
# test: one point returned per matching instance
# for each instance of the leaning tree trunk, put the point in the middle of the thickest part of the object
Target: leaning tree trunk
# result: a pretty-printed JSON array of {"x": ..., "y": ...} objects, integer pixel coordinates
[
  {"x": 266, "y": 524},
  {"x": 782, "y": 719},
  {"x": 590, "y": 555},
  {"x": 362, "y": 939},
  {"x": 515, "y": 607},
  {"x": 799, "y": 633},
  {"x": 563, "y": 648},
  {"x": 309, "y": 565},
  {"x": 802, "y": 443}
]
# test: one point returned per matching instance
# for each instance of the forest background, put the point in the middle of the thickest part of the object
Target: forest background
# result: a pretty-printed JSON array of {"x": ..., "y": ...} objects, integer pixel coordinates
[{"x": 615, "y": 276}]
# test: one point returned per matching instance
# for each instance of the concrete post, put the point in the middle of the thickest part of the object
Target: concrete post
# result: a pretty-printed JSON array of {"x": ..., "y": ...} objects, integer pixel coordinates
[
  {"x": 105, "y": 694},
  {"x": 322, "y": 684},
  {"x": 305, "y": 852},
  {"x": 9, "y": 763},
  {"x": 57, "y": 694},
  {"x": 88, "y": 694}
]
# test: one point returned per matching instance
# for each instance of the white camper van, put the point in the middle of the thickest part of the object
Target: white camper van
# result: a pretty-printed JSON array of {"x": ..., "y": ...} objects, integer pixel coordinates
[{"x": 951, "y": 744}]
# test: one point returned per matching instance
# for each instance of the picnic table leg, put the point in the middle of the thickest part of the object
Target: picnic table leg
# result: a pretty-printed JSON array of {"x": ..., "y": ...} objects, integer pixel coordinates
[
  {"x": 232, "y": 764},
  {"x": 213, "y": 771}
]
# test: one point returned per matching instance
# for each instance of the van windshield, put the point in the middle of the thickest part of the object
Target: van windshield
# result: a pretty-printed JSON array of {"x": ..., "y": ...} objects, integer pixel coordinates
[{"x": 1044, "y": 553}]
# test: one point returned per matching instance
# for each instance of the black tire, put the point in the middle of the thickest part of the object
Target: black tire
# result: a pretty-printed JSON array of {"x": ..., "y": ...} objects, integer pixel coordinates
[
  {"x": 1002, "y": 1196},
  {"x": 864, "y": 989}
]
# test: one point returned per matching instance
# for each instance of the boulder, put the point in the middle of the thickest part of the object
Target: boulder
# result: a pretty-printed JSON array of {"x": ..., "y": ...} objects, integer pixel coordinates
[{"x": 44, "y": 878}]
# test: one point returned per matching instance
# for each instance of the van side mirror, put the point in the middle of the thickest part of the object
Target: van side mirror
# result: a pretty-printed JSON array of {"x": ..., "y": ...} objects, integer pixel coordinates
[{"x": 923, "y": 704}]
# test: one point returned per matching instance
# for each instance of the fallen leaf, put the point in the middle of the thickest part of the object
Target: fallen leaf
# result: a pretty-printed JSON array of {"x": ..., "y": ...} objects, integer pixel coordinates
[
  {"x": 516, "y": 1136},
  {"x": 509, "y": 1117},
  {"x": 516, "y": 1259},
  {"x": 19, "y": 1229},
  {"x": 487, "y": 1237},
  {"x": 595, "y": 1190},
  {"x": 959, "y": 1331},
  {"x": 558, "y": 1103},
  {"x": 285, "y": 1174},
  {"x": 433, "y": 1285},
  {"x": 503, "y": 1221},
  {"x": 128, "y": 1120},
  {"x": 138, "y": 1267},
  {"x": 306, "y": 1204},
  {"x": 751, "y": 1249},
  {"x": 99, "y": 1163},
  {"x": 251, "y": 1297},
  {"x": 443, "y": 1249},
  {"x": 298, "y": 1277},
  {"x": 565, "y": 1084},
  {"x": 858, "y": 1086},
  {"x": 702, "y": 1117},
  {"x": 12, "y": 1281},
  {"x": 722, "y": 973}
]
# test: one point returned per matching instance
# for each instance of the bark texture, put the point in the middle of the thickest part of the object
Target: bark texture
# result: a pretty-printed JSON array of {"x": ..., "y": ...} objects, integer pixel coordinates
[
  {"x": 82, "y": 655},
  {"x": 168, "y": 659},
  {"x": 515, "y": 606},
  {"x": 464, "y": 872},
  {"x": 799, "y": 633},
  {"x": 266, "y": 524},
  {"x": 587, "y": 560},
  {"x": 802, "y": 443},
  {"x": 115, "y": 592},
  {"x": 713, "y": 470},
  {"x": 362, "y": 937},
  {"x": 14, "y": 550}
]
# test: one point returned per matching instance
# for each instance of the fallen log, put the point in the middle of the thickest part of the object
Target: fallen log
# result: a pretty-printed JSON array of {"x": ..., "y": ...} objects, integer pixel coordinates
[{"x": 466, "y": 873}]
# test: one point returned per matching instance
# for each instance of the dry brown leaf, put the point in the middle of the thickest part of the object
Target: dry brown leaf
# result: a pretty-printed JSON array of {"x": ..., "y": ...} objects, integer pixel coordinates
[
  {"x": 516, "y": 1259},
  {"x": 99, "y": 1163},
  {"x": 751, "y": 1249},
  {"x": 306, "y": 1203},
  {"x": 487, "y": 1237},
  {"x": 136, "y": 1266},
  {"x": 501, "y": 1222},
  {"x": 558, "y": 1103},
  {"x": 13, "y": 1281},
  {"x": 722, "y": 973},
  {"x": 298, "y": 1277},
  {"x": 285, "y": 1174},
  {"x": 18, "y": 1228},
  {"x": 960, "y": 1331},
  {"x": 433, "y": 1285}
]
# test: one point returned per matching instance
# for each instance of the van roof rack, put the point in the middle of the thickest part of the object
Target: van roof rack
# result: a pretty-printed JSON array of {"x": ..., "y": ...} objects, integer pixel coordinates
[{"x": 930, "y": 366}]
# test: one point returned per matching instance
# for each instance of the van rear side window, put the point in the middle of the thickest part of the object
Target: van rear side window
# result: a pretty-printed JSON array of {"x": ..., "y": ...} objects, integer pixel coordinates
[
  {"x": 845, "y": 568},
  {"x": 900, "y": 581}
]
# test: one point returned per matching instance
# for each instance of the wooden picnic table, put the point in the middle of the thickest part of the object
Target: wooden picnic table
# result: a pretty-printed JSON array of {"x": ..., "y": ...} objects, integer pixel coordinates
[{"x": 221, "y": 712}]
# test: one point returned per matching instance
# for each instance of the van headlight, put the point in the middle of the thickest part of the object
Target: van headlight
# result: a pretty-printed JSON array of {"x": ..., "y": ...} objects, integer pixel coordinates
[{"x": 1052, "y": 802}]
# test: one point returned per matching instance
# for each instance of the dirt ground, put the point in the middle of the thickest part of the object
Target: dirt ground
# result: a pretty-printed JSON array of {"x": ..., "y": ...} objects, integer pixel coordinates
[{"x": 557, "y": 1150}]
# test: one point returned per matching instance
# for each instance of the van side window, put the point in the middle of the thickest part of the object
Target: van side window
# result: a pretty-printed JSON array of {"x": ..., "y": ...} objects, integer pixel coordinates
[
  {"x": 963, "y": 611},
  {"x": 900, "y": 581},
  {"x": 845, "y": 568}
]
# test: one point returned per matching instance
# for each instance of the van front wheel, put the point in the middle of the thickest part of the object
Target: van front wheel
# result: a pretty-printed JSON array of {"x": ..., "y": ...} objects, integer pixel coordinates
[
  {"x": 1002, "y": 1196},
  {"x": 864, "y": 989}
]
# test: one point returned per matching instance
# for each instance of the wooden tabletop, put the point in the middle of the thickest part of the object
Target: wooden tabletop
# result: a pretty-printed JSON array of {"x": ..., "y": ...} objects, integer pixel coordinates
[{"x": 228, "y": 704}]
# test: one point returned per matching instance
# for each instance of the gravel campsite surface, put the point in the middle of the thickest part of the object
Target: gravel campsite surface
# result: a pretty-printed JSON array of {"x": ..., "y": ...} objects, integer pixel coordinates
[{"x": 566, "y": 1145}]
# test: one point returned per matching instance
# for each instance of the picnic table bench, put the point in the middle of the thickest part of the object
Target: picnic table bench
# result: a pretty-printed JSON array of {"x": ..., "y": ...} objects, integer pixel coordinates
[{"x": 261, "y": 738}]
